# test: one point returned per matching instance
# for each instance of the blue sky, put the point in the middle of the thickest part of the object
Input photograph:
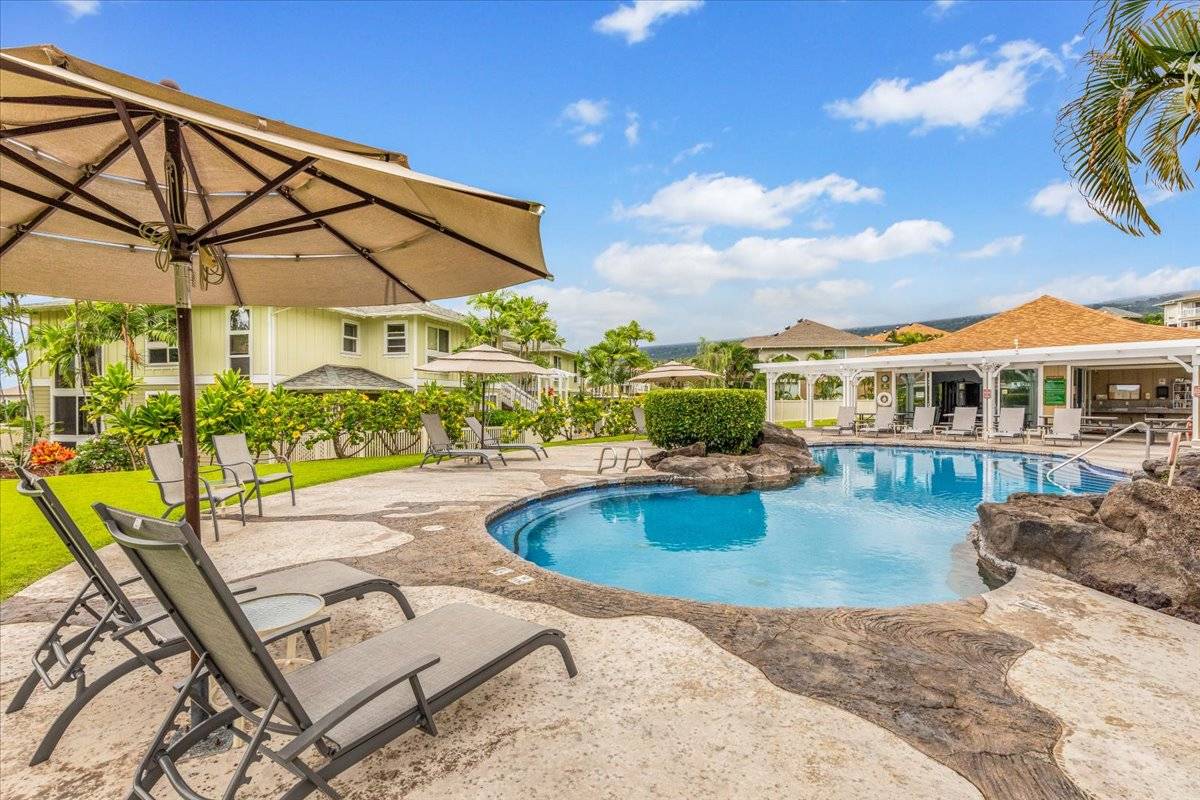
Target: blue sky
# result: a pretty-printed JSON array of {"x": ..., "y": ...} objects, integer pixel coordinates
[{"x": 712, "y": 169}]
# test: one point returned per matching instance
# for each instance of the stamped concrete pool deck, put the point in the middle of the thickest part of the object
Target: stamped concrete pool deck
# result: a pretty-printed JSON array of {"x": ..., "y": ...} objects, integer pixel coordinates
[{"x": 1040, "y": 689}]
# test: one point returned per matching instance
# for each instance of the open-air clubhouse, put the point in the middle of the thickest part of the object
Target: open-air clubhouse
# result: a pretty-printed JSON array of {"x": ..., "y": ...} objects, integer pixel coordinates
[{"x": 328, "y": 469}]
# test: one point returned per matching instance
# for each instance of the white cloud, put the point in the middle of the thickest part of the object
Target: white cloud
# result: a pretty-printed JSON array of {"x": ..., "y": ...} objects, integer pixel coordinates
[
  {"x": 693, "y": 267},
  {"x": 968, "y": 50},
  {"x": 719, "y": 199},
  {"x": 586, "y": 112},
  {"x": 584, "y": 315},
  {"x": 1004, "y": 246},
  {"x": 902, "y": 283},
  {"x": 589, "y": 138},
  {"x": 1067, "y": 49},
  {"x": 939, "y": 8},
  {"x": 80, "y": 8},
  {"x": 966, "y": 96},
  {"x": 633, "y": 128},
  {"x": 694, "y": 150},
  {"x": 1097, "y": 288},
  {"x": 1061, "y": 197},
  {"x": 635, "y": 21},
  {"x": 822, "y": 294}
]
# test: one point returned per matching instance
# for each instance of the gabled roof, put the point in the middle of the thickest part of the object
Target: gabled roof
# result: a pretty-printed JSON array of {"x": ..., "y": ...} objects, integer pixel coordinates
[
  {"x": 807, "y": 333},
  {"x": 334, "y": 378},
  {"x": 912, "y": 327},
  {"x": 1044, "y": 322},
  {"x": 1123, "y": 313},
  {"x": 404, "y": 310},
  {"x": 1181, "y": 299}
]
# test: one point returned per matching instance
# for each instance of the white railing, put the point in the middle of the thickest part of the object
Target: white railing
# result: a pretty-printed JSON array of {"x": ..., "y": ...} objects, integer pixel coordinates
[
  {"x": 1144, "y": 426},
  {"x": 508, "y": 392}
]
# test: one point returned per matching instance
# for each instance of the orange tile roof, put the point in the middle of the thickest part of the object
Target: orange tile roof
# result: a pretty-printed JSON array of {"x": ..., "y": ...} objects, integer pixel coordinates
[
  {"x": 912, "y": 327},
  {"x": 1044, "y": 322}
]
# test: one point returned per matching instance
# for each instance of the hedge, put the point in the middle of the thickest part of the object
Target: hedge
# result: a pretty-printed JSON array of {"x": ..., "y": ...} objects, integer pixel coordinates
[{"x": 726, "y": 420}]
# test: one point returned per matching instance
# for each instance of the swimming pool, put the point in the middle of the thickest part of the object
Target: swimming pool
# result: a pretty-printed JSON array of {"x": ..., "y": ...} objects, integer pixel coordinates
[{"x": 883, "y": 526}]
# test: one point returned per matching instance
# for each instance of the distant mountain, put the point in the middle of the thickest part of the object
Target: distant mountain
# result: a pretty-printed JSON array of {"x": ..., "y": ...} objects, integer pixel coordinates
[{"x": 1147, "y": 304}]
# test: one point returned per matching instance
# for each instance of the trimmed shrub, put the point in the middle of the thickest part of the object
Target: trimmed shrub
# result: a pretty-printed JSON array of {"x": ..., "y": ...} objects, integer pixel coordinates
[
  {"x": 726, "y": 420},
  {"x": 104, "y": 453}
]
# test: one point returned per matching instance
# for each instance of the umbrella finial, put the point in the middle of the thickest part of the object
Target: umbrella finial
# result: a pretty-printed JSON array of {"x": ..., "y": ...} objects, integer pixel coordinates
[{"x": 170, "y": 84}]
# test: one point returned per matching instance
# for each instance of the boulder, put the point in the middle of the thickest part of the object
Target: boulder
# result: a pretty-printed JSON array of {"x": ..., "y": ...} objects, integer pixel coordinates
[
  {"x": 1140, "y": 541},
  {"x": 1187, "y": 469},
  {"x": 694, "y": 449},
  {"x": 711, "y": 469},
  {"x": 799, "y": 459},
  {"x": 765, "y": 467},
  {"x": 777, "y": 434}
]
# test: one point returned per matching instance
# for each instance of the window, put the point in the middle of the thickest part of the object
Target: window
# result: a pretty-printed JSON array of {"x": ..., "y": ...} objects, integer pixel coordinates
[
  {"x": 160, "y": 353},
  {"x": 69, "y": 419},
  {"x": 396, "y": 338},
  {"x": 557, "y": 361},
  {"x": 350, "y": 338},
  {"x": 239, "y": 340},
  {"x": 438, "y": 340}
]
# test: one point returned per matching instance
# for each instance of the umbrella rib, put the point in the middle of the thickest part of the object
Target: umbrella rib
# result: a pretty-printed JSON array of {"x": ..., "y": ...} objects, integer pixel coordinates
[
  {"x": 252, "y": 198},
  {"x": 70, "y": 187},
  {"x": 268, "y": 226},
  {"x": 90, "y": 173},
  {"x": 203, "y": 197},
  {"x": 140, "y": 152},
  {"x": 70, "y": 209},
  {"x": 420, "y": 219},
  {"x": 363, "y": 252},
  {"x": 64, "y": 124},
  {"x": 249, "y": 237},
  {"x": 63, "y": 101}
]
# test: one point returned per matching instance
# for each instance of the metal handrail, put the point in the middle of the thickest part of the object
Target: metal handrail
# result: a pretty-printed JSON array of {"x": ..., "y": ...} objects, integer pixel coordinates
[{"x": 1143, "y": 425}]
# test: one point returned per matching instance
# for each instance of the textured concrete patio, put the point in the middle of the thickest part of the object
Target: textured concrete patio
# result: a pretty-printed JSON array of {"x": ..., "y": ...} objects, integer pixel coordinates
[{"x": 1040, "y": 689}]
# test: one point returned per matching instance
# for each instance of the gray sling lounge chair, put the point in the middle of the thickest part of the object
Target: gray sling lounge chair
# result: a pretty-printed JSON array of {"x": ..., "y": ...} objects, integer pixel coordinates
[
  {"x": 144, "y": 630},
  {"x": 1011, "y": 425},
  {"x": 491, "y": 442},
  {"x": 441, "y": 447},
  {"x": 239, "y": 467},
  {"x": 1066, "y": 426},
  {"x": 339, "y": 709},
  {"x": 844, "y": 423},
  {"x": 885, "y": 422},
  {"x": 922, "y": 424},
  {"x": 962, "y": 424},
  {"x": 166, "y": 465}
]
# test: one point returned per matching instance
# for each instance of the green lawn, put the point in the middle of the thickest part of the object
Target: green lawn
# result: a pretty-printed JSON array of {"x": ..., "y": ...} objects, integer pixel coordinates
[
  {"x": 29, "y": 549},
  {"x": 799, "y": 423}
]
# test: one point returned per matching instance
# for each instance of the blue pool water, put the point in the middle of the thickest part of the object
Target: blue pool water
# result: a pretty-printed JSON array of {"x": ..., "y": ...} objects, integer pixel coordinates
[{"x": 882, "y": 527}]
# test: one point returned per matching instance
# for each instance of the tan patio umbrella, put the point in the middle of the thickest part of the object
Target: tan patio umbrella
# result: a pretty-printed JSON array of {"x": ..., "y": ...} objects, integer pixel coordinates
[
  {"x": 115, "y": 188},
  {"x": 674, "y": 373},
  {"x": 483, "y": 359}
]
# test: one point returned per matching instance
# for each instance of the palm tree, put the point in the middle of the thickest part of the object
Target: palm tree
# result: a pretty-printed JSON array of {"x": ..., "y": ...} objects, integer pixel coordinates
[{"x": 1143, "y": 82}]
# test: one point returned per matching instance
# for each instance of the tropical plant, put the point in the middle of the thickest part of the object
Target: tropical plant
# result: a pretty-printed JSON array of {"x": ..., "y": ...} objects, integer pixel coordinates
[
  {"x": 47, "y": 455},
  {"x": 451, "y": 407},
  {"x": 397, "y": 419},
  {"x": 1143, "y": 82},
  {"x": 618, "y": 417},
  {"x": 617, "y": 357},
  {"x": 910, "y": 337},
  {"x": 584, "y": 413},
  {"x": 282, "y": 421},
  {"x": 726, "y": 420},
  {"x": 227, "y": 405},
  {"x": 551, "y": 418},
  {"x": 731, "y": 360},
  {"x": 346, "y": 420},
  {"x": 524, "y": 320},
  {"x": 827, "y": 387},
  {"x": 104, "y": 453}
]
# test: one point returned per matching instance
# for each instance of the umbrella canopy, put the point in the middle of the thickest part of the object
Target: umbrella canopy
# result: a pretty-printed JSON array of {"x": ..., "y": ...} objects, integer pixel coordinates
[
  {"x": 674, "y": 372},
  {"x": 115, "y": 188},
  {"x": 483, "y": 359},
  {"x": 279, "y": 215}
]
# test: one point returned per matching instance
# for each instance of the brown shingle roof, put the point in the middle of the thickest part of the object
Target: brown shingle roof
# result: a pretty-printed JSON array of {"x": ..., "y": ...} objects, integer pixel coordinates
[
  {"x": 1044, "y": 322},
  {"x": 808, "y": 333},
  {"x": 335, "y": 378},
  {"x": 912, "y": 327}
]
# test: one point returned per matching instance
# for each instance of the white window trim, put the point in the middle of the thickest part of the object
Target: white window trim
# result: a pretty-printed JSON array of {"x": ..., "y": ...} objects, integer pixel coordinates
[
  {"x": 407, "y": 328},
  {"x": 249, "y": 333},
  {"x": 357, "y": 337},
  {"x": 151, "y": 344},
  {"x": 449, "y": 347}
]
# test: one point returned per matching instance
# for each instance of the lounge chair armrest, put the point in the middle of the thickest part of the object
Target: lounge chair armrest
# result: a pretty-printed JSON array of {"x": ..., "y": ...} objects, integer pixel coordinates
[
  {"x": 310, "y": 736},
  {"x": 227, "y": 468},
  {"x": 242, "y": 590},
  {"x": 292, "y": 630},
  {"x": 141, "y": 626},
  {"x": 165, "y": 483}
]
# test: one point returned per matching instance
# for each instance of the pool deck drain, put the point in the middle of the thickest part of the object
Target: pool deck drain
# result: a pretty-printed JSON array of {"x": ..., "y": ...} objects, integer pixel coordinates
[{"x": 1042, "y": 689}]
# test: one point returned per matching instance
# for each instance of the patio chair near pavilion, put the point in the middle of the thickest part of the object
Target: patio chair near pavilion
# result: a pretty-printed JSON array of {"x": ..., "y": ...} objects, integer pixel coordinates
[
  {"x": 639, "y": 419},
  {"x": 340, "y": 708},
  {"x": 1011, "y": 425},
  {"x": 962, "y": 423},
  {"x": 885, "y": 422},
  {"x": 144, "y": 630},
  {"x": 844, "y": 422},
  {"x": 440, "y": 445},
  {"x": 922, "y": 424},
  {"x": 487, "y": 440},
  {"x": 1065, "y": 426},
  {"x": 166, "y": 468},
  {"x": 233, "y": 455}
]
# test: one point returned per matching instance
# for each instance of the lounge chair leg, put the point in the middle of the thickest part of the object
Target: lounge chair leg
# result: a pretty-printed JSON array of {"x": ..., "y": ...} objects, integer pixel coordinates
[
  {"x": 25, "y": 691},
  {"x": 212, "y": 512},
  {"x": 258, "y": 496},
  {"x": 565, "y": 652},
  {"x": 242, "y": 506},
  {"x": 292, "y": 488}
]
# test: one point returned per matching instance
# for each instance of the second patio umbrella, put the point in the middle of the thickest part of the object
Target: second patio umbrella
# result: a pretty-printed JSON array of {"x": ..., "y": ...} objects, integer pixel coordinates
[
  {"x": 673, "y": 373},
  {"x": 115, "y": 188},
  {"x": 484, "y": 360}
]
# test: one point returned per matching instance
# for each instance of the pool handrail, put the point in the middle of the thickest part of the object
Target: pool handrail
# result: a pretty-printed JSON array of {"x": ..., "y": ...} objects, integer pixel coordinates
[{"x": 1144, "y": 426}]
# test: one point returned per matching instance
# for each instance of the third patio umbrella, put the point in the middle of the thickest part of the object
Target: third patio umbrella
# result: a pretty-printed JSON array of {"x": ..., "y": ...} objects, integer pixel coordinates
[
  {"x": 115, "y": 188},
  {"x": 483, "y": 359},
  {"x": 673, "y": 373}
]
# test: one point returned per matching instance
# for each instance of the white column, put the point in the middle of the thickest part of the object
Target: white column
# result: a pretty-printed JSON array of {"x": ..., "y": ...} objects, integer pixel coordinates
[
  {"x": 1070, "y": 386},
  {"x": 844, "y": 377},
  {"x": 1196, "y": 400},
  {"x": 771, "y": 378},
  {"x": 810, "y": 386},
  {"x": 1041, "y": 404}
]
